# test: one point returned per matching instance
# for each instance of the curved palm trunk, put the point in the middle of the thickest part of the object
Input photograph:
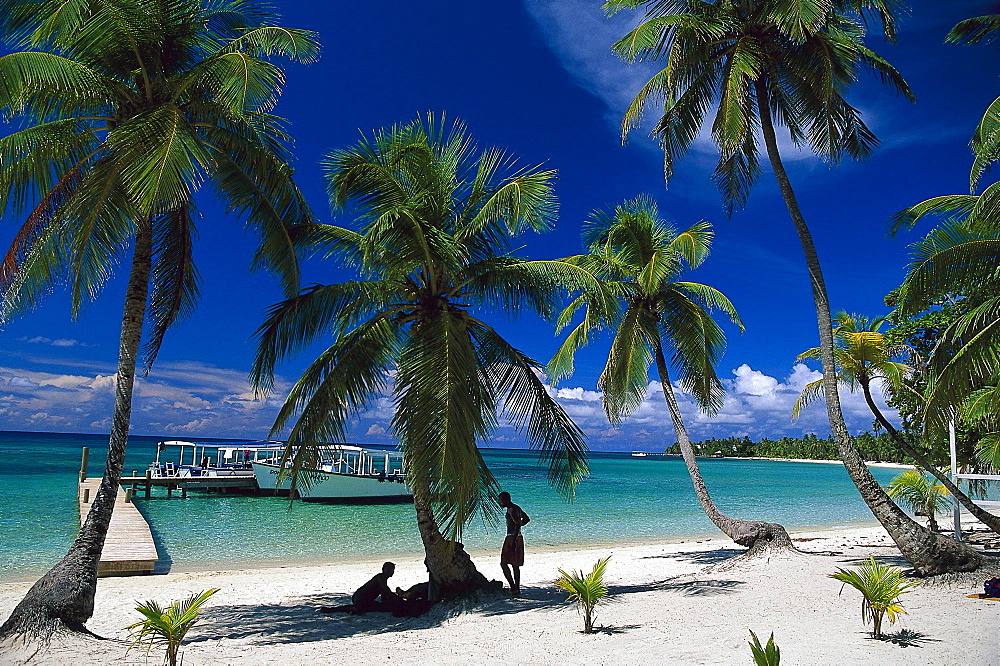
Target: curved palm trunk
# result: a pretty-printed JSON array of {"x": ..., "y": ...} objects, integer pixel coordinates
[
  {"x": 757, "y": 535},
  {"x": 64, "y": 597},
  {"x": 984, "y": 516},
  {"x": 449, "y": 566},
  {"x": 928, "y": 552}
]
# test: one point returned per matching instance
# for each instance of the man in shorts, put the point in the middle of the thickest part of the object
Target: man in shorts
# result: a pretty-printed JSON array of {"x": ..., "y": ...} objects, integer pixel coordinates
[{"x": 512, "y": 553}]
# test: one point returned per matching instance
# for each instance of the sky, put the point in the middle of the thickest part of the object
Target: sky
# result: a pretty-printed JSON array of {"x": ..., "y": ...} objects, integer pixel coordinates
[{"x": 536, "y": 78}]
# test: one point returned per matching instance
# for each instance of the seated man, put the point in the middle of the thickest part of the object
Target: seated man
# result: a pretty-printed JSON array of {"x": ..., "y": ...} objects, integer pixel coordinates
[{"x": 367, "y": 596}]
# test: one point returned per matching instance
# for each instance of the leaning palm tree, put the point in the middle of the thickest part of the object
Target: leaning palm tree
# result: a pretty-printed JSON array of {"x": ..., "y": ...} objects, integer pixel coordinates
[
  {"x": 126, "y": 109},
  {"x": 863, "y": 356},
  {"x": 640, "y": 259},
  {"x": 761, "y": 64},
  {"x": 432, "y": 255}
]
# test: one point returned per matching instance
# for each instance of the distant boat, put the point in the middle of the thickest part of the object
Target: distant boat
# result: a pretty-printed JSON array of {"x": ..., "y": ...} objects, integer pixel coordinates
[
  {"x": 346, "y": 474},
  {"x": 639, "y": 454}
]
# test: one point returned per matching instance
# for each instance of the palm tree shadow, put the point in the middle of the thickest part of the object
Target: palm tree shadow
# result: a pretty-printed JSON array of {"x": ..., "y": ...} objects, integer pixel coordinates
[
  {"x": 701, "y": 556},
  {"x": 908, "y": 638},
  {"x": 895, "y": 560},
  {"x": 612, "y": 630},
  {"x": 299, "y": 621}
]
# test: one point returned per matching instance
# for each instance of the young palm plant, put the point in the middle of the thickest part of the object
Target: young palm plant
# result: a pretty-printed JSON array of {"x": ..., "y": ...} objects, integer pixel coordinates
[
  {"x": 433, "y": 257},
  {"x": 764, "y": 655},
  {"x": 587, "y": 590},
  {"x": 167, "y": 627},
  {"x": 125, "y": 110},
  {"x": 761, "y": 64},
  {"x": 880, "y": 585},
  {"x": 639, "y": 259},
  {"x": 863, "y": 355},
  {"x": 921, "y": 495}
]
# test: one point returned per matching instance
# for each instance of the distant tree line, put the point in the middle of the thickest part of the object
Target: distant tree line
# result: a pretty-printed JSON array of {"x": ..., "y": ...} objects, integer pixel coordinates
[{"x": 878, "y": 447}]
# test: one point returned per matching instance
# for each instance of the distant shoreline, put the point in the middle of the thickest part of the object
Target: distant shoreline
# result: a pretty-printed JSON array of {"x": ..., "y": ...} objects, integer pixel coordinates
[{"x": 869, "y": 463}]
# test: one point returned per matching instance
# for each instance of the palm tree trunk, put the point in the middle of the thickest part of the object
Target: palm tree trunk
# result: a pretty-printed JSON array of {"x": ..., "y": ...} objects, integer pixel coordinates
[
  {"x": 757, "y": 535},
  {"x": 64, "y": 597},
  {"x": 449, "y": 566},
  {"x": 929, "y": 553},
  {"x": 984, "y": 516}
]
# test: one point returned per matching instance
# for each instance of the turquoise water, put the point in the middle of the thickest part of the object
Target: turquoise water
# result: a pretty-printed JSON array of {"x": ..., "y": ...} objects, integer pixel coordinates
[{"x": 625, "y": 500}]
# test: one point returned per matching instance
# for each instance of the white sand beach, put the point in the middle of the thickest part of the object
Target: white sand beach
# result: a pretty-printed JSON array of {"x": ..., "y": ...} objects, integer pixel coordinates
[{"x": 668, "y": 605}]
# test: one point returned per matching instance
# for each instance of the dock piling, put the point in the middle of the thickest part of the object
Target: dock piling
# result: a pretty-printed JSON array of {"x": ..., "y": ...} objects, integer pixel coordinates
[
  {"x": 86, "y": 495},
  {"x": 83, "y": 464},
  {"x": 149, "y": 481},
  {"x": 128, "y": 495}
]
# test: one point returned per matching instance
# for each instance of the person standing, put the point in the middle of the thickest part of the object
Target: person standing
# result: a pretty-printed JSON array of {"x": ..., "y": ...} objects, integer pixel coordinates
[{"x": 512, "y": 553}]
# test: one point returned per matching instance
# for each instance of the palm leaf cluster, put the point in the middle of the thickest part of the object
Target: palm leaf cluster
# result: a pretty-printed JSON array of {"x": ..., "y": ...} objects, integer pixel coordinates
[
  {"x": 958, "y": 261},
  {"x": 785, "y": 61},
  {"x": 862, "y": 355},
  {"x": 639, "y": 260},
  {"x": 432, "y": 251},
  {"x": 920, "y": 494},
  {"x": 123, "y": 112},
  {"x": 880, "y": 585}
]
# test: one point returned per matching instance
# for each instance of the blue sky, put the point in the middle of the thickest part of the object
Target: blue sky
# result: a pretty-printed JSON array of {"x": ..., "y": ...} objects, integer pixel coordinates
[{"x": 537, "y": 78}]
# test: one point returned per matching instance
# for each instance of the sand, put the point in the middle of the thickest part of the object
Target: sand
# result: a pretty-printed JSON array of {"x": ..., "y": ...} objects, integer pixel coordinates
[{"x": 670, "y": 604}]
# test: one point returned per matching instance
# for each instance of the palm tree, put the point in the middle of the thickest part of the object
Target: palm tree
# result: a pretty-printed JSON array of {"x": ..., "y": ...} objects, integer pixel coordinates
[
  {"x": 640, "y": 259},
  {"x": 126, "y": 110},
  {"x": 919, "y": 494},
  {"x": 864, "y": 355},
  {"x": 434, "y": 247},
  {"x": 957, "y": 260},
  {"x": 762, "y": 63}
]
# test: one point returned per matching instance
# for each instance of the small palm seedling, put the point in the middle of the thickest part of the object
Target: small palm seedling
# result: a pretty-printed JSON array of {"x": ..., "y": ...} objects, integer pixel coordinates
[
  {"x": 920, "y": 494},
  {"x": 767, "y": 655},
  {"x": 167, "y": 627},
  {"x": 881, "y": 585},
  {"x": 587, "y": 590}
]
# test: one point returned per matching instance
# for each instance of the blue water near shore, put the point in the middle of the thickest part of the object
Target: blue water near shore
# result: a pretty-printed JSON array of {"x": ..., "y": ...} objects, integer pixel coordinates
[{"x": 625, "y": 500}]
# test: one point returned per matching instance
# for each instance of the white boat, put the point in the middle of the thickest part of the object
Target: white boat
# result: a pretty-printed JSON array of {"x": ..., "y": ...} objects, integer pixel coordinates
[
  {"x": 346, "y": 474},
  {"x": 639, "y": 454},
  {"x": 181, "y": 459}
]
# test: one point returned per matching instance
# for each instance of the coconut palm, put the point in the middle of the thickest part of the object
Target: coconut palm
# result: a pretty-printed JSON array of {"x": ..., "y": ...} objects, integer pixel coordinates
[
  {"x": 762, "y": 64},
  {"x": 125, "y": 111},
  {"x": 433, "y": 256},
  {"x": 959, "y": 258},
  {"x": 640, "y": 259},
  {"x": 921, "y": 495},
  {"x": 863, "y": 356}
]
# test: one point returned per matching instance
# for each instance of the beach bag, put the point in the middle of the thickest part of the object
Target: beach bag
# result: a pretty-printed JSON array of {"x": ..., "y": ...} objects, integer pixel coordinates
[{"x": 991, "y": 588}]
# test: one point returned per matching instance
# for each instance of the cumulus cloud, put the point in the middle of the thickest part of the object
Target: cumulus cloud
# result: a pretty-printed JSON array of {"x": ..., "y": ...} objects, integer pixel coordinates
[
  {"x": 58, "y": 342},
  {"x": 193, "y": 399}
]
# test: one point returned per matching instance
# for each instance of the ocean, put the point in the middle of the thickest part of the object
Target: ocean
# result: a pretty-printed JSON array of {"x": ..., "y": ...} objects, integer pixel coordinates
[{"x": 625, "y": 500}]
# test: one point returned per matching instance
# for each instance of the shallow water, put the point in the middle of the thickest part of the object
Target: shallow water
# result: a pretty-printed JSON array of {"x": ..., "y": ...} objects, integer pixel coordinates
[{"x": 625, "y": 499}]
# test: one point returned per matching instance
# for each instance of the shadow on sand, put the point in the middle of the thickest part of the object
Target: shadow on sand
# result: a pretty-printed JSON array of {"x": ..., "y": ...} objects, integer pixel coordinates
[
  {"x": 700, "y": 556},
  {"x": 907, "y": 638},
  {"x": 299, "y": 620}
]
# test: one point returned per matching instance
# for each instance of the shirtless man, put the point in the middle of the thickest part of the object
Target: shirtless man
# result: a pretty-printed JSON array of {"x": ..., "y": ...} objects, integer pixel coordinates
[
  {"x": 365, "y": 598},
  {"x": 512, "y": 553}
]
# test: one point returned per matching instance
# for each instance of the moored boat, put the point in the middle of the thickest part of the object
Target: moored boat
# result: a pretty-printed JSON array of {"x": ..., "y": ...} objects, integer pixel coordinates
[
  {"x": 345, "y": 474},
  {"x": 639, "y": 454}
]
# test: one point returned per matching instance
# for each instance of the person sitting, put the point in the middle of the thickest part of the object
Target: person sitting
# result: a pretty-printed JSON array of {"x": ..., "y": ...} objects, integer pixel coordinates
[{"x": 375, "y": 595}]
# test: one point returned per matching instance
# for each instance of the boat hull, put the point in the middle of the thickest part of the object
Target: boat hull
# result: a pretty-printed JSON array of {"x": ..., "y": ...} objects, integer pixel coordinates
[{"x": 335, "y": 488}]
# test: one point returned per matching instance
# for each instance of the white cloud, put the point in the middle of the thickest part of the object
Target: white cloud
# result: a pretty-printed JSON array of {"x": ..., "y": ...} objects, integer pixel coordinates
[{"x": 375, "y": 429}]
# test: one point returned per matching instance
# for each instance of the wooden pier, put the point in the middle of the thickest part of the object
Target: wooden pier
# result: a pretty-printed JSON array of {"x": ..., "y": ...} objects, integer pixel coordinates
[{"x": 129, "y": 547}]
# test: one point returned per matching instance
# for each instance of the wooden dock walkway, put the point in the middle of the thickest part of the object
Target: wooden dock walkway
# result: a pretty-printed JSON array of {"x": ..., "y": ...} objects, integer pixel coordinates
[{"x": 129, "y": 547}]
